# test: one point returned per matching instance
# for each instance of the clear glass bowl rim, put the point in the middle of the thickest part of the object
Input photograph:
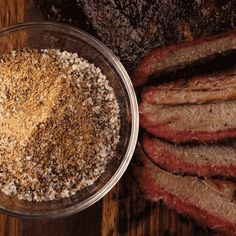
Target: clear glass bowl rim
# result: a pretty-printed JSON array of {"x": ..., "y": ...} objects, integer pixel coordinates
[{"x": 67, "y": 29}]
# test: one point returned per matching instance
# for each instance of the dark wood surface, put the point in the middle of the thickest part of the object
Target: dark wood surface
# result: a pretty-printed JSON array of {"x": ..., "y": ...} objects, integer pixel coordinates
[{"x": 121, "y": 212}]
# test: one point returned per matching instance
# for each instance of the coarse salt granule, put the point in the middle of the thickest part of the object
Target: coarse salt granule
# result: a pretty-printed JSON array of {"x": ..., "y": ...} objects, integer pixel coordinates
[{"x": 59, "y": 121}]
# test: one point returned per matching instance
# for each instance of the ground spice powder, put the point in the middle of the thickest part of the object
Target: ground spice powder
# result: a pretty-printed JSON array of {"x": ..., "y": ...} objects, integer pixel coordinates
[{"x": 59, "y": 121}]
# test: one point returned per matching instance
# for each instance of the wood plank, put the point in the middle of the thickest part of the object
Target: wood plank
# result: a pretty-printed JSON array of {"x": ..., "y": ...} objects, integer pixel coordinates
[
  {"x": 10, "y": 226},
  {"x": 13, "y": 11},
  {"x": 110, "y": 212},
  {"x": 87, "y": 222},
  {"x": 73, "y": 225}
]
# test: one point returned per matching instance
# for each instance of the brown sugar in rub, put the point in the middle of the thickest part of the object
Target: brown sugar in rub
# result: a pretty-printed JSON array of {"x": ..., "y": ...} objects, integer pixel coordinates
[{"x": 59, "y": 123}]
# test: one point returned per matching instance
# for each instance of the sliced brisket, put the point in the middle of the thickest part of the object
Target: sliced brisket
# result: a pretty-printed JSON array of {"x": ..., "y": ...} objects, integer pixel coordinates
[
  {"x": 187, "y": 195},
  {"x": 201, "y": 89},
  {"x": 175, "y": 57},
  {"x": 201, "y": 160},
  {"x": 194, "y": 122}
]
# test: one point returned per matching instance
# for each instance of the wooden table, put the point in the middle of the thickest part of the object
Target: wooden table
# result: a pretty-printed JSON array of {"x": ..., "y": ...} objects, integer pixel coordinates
[{"x": 123, "y": 211}]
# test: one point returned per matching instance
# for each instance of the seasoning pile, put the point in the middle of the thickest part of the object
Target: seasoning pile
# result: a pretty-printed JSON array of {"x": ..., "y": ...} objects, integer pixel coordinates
[{"x": 59, "y": 121}]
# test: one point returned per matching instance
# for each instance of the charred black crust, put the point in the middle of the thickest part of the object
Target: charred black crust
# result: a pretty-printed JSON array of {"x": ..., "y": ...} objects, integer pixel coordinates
[{"x": 132, "y": 28}]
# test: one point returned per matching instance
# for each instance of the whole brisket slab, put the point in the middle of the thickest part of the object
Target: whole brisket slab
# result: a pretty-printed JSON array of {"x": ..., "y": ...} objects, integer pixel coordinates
[
  {"x": 201, "y": 160},
  {"x": 188, "y": 195},
  {"x": 132, "y": 28}
]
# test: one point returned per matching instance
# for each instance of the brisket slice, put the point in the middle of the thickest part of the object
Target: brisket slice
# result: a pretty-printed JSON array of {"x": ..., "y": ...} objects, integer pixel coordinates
[
  {"x": 200, "y": 89},
  {"x": 187, "y": 195},
  {"x": 175, "y": 57},
  {"x": 183, "y": 123},
  {"x": 201, "y": 160}
]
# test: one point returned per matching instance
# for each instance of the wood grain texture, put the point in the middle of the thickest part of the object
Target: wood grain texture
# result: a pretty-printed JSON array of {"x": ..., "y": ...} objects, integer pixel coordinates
[
  {"x": 110, "y": 212},
  {"x": 10, "y": 226},
  {"x": 13, "y": 11},
  {"x": 121, "y": 212},
  {"x": 87, "y": 222}
]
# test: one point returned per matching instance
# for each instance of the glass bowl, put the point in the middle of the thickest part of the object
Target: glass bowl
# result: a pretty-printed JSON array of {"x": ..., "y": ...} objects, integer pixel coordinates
[{"x": 41, "y": 35}]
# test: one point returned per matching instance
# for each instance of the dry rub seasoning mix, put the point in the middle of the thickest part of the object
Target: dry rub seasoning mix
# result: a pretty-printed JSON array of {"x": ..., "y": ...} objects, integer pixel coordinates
[{"x": 59, "y": 124}]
